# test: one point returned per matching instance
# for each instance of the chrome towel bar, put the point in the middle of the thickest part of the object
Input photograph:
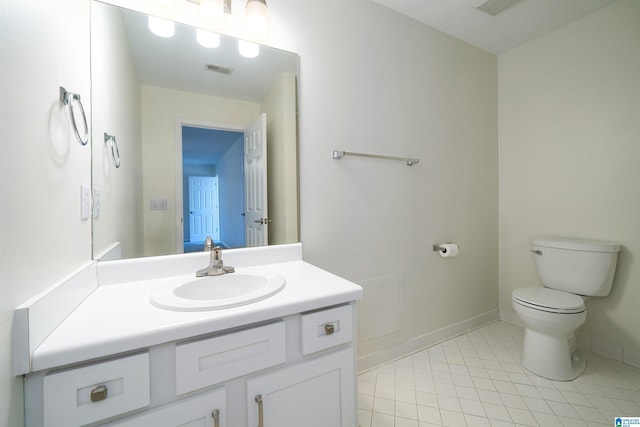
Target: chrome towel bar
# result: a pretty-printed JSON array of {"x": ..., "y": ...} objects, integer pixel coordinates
[
  {"x": 337, "y": 155},
  {"x": 68, "y": 99}
]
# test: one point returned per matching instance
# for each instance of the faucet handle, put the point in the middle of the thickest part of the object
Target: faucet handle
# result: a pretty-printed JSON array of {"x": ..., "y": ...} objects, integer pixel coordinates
[{"x": 208, "y": 243}]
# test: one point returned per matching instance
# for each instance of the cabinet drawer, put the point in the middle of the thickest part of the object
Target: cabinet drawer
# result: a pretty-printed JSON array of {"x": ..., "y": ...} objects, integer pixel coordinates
[
  {"x": 211, "y": 361},
  {"x": 116, "y": 387},
  {"x": 326, "y": 328}
]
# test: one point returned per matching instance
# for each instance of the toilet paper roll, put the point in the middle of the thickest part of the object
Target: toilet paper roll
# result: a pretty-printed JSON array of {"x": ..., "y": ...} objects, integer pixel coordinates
[{"x": 449, "y": 250}]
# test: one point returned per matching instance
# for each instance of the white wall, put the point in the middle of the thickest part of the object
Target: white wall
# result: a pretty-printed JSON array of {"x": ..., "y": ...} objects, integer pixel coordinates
[
  {"x": 161, "y": 109},
  {"x": 569, "y": 159},
  {"x": 43, "y": 45},
  {"x": 378, "y": 82},
  {"x": 116, "y": 90}
]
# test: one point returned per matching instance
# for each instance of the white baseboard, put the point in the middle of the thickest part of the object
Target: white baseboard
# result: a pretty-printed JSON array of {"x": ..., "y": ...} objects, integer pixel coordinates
[{"x": 375, "y": 359}]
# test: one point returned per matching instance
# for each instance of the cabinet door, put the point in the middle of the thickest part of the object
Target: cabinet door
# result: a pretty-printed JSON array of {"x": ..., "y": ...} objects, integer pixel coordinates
[
  {"x": 197, "y": 411},
  {"x": 316, "y": 393}
]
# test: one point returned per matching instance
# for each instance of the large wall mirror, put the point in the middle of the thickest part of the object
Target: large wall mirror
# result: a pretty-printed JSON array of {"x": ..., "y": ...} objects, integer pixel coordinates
[{"x": 188, "y": 140}]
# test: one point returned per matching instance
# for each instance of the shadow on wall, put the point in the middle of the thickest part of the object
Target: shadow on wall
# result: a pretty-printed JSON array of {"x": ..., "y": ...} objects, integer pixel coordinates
[{"x": 605, "y": 334}]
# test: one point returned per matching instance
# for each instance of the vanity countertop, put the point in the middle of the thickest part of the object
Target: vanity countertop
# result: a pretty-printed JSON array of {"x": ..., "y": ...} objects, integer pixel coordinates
[{"x": 118, "y": 318}]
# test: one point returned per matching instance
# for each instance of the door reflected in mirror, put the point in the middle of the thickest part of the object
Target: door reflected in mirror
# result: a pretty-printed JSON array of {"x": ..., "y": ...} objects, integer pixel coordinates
[
  {"x": 169, "y": 101},
  {"x": 210, "y": 156}
]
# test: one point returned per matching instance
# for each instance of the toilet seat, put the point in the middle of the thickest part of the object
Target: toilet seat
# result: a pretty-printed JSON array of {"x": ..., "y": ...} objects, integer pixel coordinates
[{"x": 549, "y": 300}]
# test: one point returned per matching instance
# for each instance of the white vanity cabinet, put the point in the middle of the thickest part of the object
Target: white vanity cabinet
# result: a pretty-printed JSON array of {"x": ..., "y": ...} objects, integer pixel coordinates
[{"x": 297, "y": 370}]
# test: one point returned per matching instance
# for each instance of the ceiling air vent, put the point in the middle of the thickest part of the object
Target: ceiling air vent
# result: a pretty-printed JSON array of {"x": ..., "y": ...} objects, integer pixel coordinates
[
  {"x": 493, "y": 7},
  {"x": 218, "y": 69}
]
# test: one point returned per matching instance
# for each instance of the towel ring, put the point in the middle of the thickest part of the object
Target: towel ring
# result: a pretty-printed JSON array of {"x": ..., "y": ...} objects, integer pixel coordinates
[
  {"x": 115, "y": 152},
  {"x": 67, "y": 99}
]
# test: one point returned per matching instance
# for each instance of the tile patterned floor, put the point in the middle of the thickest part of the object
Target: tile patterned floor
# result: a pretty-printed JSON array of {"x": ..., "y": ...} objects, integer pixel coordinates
[{"x": 476, "y": 380}]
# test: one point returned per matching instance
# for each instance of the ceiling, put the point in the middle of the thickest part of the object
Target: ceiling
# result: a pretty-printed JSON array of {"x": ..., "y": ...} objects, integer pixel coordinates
[
  {"x": 204, "y": 146},
  {"x": 522, "y": 22}
]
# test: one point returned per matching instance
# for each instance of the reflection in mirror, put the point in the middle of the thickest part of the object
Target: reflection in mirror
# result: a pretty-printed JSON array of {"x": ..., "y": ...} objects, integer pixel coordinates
[{"x": 207, "y": 140}]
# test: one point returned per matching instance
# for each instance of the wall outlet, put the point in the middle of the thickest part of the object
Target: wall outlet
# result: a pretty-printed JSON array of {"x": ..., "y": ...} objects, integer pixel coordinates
[{"x": 85, "y": 202}]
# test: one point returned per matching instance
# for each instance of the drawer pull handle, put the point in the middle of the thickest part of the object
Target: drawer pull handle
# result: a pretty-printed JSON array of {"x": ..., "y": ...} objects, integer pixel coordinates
[
  {"x": 216, "y": 418},
  {"x": 329, "y": 329},
  {"x": 99, "y": 393},
  {"x": 260, "y": 414}
]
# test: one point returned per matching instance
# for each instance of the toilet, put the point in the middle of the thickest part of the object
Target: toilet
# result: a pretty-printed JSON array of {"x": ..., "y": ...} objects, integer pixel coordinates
[{"x": 571, "y": 270}]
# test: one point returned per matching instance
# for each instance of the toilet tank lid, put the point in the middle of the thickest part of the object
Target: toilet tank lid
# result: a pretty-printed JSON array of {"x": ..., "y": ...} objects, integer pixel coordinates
[{"x": 575, "y": 243}]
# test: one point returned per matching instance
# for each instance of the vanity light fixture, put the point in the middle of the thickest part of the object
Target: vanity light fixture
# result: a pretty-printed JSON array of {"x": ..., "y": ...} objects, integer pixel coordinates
[
  {"x": 212, "y": 13},
  {"x": 213, "y": 16},
  {"x": 257, "y": 20}
]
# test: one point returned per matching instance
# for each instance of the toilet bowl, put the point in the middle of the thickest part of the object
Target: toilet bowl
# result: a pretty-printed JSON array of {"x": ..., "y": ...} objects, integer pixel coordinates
[
  {"x": 550, "y": 317},
  {"x": 570, "y": 270}
]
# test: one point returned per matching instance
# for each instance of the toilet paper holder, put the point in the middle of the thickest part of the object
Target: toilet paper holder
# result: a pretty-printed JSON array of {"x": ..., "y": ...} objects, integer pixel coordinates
[{"x": 441, "y": 247}]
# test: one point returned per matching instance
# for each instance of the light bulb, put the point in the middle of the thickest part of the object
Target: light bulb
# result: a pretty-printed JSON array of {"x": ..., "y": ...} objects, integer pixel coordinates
[
  {"x": 207, "y": 39},
  {"x": 248, "y": 49},
  {"x": 161, "y": 27},
  {"x": 257, "y": 20},
  {"x": 212, "y": 13}
]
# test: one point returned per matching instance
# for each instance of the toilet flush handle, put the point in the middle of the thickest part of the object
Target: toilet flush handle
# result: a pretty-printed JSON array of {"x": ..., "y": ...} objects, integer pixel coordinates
[{"x": 536, "y": 251}]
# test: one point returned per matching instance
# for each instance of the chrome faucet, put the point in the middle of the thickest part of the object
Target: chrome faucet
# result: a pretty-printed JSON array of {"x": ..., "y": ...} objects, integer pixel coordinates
[{"x": 216, "y": 266}]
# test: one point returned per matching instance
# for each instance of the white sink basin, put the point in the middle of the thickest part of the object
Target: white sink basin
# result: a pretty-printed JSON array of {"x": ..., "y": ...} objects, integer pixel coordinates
[{"x": 216, "y": 292}]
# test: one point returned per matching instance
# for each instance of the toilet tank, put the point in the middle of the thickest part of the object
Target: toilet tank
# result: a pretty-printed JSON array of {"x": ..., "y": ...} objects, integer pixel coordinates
[{"x": 579, "y": 266}]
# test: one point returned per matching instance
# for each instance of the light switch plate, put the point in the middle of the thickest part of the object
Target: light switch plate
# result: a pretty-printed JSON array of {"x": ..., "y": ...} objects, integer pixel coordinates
[
  {"x": 158, "y": 204},
  {"x": 85, "y": 202}
]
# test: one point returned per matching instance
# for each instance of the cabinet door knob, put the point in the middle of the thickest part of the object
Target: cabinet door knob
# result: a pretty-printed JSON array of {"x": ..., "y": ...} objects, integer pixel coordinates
[
  {"x": 329, "y": 329},
  {"x": 260, "y": 414},
  {"x": 216, "y": 418},
  {"x": 99, "y": 393}
]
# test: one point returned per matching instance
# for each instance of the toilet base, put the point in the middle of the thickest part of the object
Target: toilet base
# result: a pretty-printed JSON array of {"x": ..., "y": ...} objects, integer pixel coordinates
[{"x": 552, "y": 357}]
